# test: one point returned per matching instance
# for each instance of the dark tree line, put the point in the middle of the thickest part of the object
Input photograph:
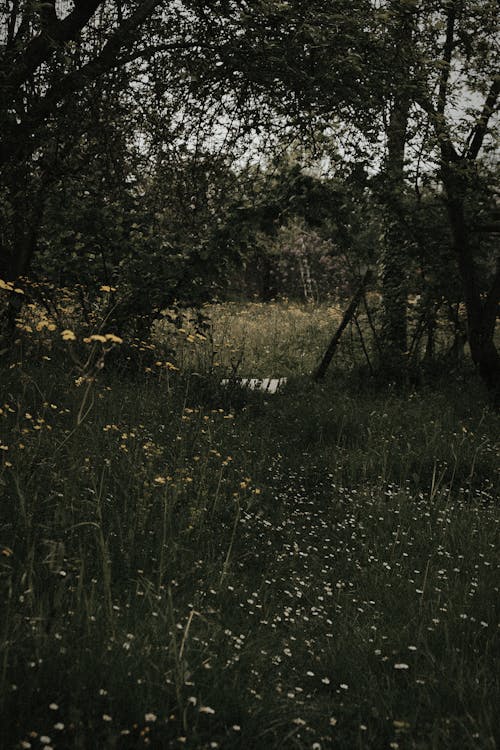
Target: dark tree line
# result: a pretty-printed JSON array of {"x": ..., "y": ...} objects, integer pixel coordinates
[{"x": 137, "y": 142}]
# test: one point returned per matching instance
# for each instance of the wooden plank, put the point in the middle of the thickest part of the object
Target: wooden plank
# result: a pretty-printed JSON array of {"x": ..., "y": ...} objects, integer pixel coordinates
[{"x": 319, "y": 372}]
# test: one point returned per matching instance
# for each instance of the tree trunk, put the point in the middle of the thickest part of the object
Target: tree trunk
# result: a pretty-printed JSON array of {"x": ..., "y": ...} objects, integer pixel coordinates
[
  {"x": 482, "y": 311},
  {"x": 393, "y": 261},
  {"x": 18, "y": 243}
]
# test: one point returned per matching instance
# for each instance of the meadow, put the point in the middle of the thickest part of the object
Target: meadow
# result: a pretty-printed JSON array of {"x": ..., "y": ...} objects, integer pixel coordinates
[{"x": 186, "y": 565}]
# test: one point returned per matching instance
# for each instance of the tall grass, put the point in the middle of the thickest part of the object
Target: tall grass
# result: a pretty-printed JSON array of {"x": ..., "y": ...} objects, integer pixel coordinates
[
  {"x": 189, "y": 566},
  {"x": 254, "y": 339}
]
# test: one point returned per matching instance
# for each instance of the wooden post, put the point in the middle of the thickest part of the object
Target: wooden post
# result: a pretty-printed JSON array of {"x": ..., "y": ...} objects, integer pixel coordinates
[{"x": 319, "y": 372}]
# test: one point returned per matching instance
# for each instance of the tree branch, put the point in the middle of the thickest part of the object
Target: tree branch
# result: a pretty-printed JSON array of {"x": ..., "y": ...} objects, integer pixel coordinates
[
  {"x": 76, "y": 80},
  {"x": 447, "y": 53},
  {"x": 48, "y": 15},
  {"x": 41, "y": 48},
  {"x": 105, "y": 60},
  {"x": 481, "y": 127},
  {"x": 440, "y": 126},
  {"x": 11, "y": 23}
]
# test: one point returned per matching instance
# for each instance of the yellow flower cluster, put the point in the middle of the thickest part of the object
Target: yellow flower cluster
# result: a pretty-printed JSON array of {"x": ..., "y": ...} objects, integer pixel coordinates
[
  {"x": 45, "y": 323},
  {"x": 103, "y": 338},
  {"x": 167, "y": 365},
  {"x": 8, "y": 286}
]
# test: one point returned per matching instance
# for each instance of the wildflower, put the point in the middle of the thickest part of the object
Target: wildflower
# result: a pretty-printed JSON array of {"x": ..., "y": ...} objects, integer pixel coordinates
[
  {"x": 107, "y": 288},
  {"x": 59, "y": 726},
  {"x": 150, "y": 717},
  {"x": 53, "y": 706},
  {"x": 8, "y": 286},
  {"x": 68, "y": 335},
  {"x": 107, "y": 717},
  {"x": 113, "y": 338},
  {"x": 401, "y": 666},
  {"x": 94, "y": 337},
  {"x": 206, "y": 710}
]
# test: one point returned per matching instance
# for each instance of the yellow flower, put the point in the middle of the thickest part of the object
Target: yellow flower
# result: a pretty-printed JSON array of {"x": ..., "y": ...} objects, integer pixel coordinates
[
  {"x": 68, "y": 335},
  {"x": 106, "y": 288},
  {"x": 115, "y": 339},
  {"x": 95, "y": 337}
]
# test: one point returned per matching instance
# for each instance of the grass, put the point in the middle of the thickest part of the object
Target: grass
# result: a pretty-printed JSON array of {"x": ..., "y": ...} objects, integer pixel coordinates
[
  {"x": 186, "y": 566},
  {"x": 254, "y": 339}
]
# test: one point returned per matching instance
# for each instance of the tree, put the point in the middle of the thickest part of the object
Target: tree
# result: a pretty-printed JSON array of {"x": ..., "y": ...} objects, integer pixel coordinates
[
  {"x": 467, "y": 68},
  {"x": 394, "y": 265},
  {"x": 48, "y": 53}
]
